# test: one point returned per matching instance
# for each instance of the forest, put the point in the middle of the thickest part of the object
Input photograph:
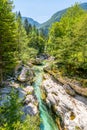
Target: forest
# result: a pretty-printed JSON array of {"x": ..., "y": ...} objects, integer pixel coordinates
[{"x": 66, "y": 41}]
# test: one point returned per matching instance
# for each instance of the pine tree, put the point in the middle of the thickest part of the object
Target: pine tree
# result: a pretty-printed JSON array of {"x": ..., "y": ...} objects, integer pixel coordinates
[
  {"x": 7, "y": 38},
  {"x": 22, "y": 39},
  {"x": 26, "y": 26}
]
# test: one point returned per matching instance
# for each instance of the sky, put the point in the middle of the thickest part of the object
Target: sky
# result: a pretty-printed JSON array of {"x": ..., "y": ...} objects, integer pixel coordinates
[{"x": 42, "y": 10}]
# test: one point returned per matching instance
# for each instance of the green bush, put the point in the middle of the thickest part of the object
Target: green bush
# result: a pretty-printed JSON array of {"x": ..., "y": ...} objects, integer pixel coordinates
[{"x": 10, "y": 116}]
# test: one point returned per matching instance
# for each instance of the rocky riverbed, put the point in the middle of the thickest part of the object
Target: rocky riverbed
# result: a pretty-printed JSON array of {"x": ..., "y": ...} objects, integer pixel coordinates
[
  {"x": 73, "y": 110},
  {"x": 64, "y": 102},
  {"x": 21, "y": 83}
]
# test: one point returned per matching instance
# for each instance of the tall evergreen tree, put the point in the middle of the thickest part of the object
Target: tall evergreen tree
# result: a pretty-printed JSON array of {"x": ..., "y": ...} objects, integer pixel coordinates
[
  {"x": 22, "y": 39},
  {"x": 7, "y": 38},
  {"x": 26, "y": 26}
]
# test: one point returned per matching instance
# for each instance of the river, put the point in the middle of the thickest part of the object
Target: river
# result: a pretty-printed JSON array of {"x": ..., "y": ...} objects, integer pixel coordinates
[{"x": 47, "y": 122}]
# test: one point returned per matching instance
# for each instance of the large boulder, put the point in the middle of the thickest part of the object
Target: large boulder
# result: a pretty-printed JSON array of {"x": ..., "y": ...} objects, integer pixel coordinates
[
  {"x": 4, "y": 95},
  {"x": 26, "y": 74},
  {"x": 37, "y": 61},
  {"x": 29, "y": 98},
  {"x": 29, "y": 89},
  {"x": 30, "y": 109},
  {"x": 5, "y": 90}
]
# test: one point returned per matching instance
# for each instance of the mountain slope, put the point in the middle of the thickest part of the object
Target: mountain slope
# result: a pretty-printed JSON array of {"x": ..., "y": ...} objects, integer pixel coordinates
[
  {"x": 84, "y": 6},
  {"x": 56, "y": 17},
  {"x": 31, "y": 21}
]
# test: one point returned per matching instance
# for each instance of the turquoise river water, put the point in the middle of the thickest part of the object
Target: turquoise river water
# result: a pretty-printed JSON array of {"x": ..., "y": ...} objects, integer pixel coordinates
[{"x": 47, "y": 122}]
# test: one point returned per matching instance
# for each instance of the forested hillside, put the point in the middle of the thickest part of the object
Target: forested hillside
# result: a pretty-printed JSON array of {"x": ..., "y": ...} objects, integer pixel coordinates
[
  {"x": 31, "y": 21},
  {"x": 56, "y": 17},
  {"x": 67, "y": 42},
  {"x": 62, "y": 53},
  {"x": 67, "y": 38}
]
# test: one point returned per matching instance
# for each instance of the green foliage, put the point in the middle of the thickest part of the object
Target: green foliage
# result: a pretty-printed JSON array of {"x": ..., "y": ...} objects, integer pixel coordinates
[
  {"x": 68, "y": 41},
  {"x": 7, "y": 38},
  {"x": 31, "y": 123},
  {"x": 22, "y": 39},
  {"x": 30, "y": 43},
  {"x": 57, "y": 17},
  {"x": 37, "y": 42},
  {"x": 10, "y": 115},
  {"x": 18, "y": 42},
  {"x": 27, "y": 26}
]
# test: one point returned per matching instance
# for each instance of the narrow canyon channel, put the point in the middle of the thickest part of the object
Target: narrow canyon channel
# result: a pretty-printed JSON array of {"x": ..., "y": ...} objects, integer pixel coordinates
[{"x": 47, "y": 121}]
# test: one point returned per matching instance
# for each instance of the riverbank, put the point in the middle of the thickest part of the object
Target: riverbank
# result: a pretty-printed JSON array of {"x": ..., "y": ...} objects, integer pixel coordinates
[
  {"x": 74, "y": 84},
  {"x": 72, "y": 110}
]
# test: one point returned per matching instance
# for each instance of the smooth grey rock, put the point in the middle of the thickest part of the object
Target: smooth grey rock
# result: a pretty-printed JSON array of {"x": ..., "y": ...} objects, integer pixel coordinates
[
  {"x": 4, "y": 95},
  {"x": 29, "y": 89},
  {"x": 29, "y": 98},
  {"x": 25, "y": 75},
  {"x": 21, "y": 93},
  {"x": 51, "y": 99},
  {"x": 4, "y": 99},
  {"x": 30, "y": 109},
  {"x": 64, "y": 104},
  {"x": 5, "y": 90}
]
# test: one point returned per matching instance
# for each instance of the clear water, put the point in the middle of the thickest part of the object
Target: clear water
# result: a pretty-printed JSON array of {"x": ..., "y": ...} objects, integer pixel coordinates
[{"x": 47, "y": 121}]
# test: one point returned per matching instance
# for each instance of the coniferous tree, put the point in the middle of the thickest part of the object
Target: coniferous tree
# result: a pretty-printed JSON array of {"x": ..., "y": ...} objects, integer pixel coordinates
[
  {"x": 7, "y": 38},
  {"x": 26, "y": 26},
  {"x": 22, "y": 39}
]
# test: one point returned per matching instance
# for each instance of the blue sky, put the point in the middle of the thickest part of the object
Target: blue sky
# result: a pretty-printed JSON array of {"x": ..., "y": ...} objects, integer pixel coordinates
[{"x": 42, "y": 10}]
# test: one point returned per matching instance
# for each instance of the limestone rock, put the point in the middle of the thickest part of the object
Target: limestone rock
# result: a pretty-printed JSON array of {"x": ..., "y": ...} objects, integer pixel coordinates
[
  {"x": 69, "y": 90},
  {"x": 29, "y": 98},
  {"x": 5, "y": 90},
  {"x": 73, "y": 110},
  {"x": 25, "y": 75},
  {"x": 52, "y": 99},
  {"x": 30, "y": 109},
  {"x": 28, "y": 89}
]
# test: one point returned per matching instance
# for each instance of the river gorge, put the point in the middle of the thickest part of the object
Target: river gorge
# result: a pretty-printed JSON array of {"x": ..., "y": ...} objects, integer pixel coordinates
[{"x": 42, "y": 94}]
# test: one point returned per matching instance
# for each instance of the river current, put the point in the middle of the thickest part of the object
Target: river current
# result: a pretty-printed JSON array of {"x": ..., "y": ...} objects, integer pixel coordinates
[{"x": 47, "y": 122}]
